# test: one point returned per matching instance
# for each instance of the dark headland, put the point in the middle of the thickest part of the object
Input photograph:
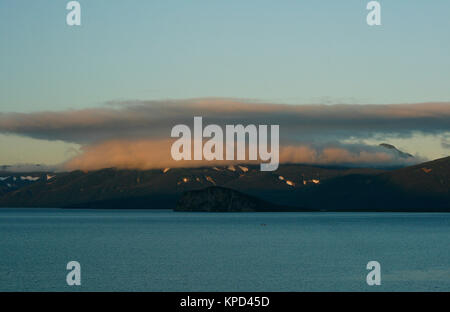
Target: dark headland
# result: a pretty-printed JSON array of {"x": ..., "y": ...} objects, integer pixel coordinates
[{"x": 220, "y": 199}]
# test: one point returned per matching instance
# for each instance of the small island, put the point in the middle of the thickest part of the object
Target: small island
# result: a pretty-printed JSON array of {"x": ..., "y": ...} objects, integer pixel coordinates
[{"x": 220, "y": 199}]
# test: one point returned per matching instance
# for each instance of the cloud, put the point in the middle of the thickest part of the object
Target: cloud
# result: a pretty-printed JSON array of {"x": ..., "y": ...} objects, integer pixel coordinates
[
  {"x": 445, "y": 140},
  {"x": 136, "y": 134},
  {"x": 151, "y": 154},
  {"x": 154, "y": 119}
]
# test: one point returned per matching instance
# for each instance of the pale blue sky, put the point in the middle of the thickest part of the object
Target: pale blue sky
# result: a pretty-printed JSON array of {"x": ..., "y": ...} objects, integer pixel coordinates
[{"x": 291, "y": 51}]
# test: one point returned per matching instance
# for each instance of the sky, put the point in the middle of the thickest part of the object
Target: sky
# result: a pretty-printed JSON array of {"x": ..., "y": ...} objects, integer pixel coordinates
[{"x": 259, "y": 51}]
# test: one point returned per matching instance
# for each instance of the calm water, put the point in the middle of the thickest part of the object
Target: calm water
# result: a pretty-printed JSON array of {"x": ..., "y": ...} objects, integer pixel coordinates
[{"x": 168, "y": 251}]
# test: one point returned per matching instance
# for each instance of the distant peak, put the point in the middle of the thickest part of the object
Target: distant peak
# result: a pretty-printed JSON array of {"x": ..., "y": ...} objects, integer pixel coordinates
[
  {"x": 399, "y": 152},
  {"x": 388, "y": 146}
]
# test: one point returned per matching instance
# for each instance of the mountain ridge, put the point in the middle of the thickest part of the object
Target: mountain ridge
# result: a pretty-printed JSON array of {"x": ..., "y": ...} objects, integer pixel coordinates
[{"x": 422, "y": 187}]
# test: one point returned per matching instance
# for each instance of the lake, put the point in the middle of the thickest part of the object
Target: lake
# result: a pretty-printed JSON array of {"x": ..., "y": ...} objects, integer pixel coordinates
[{"x": 148, "y": 250}]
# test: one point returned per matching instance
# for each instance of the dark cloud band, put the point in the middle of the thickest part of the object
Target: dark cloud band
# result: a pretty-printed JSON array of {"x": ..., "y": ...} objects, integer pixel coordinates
[{"x": 154, "y": 119}]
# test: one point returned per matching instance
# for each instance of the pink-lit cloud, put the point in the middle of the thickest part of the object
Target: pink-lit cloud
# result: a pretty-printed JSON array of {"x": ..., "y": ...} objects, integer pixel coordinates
[{"x": 136, "y": 134}]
